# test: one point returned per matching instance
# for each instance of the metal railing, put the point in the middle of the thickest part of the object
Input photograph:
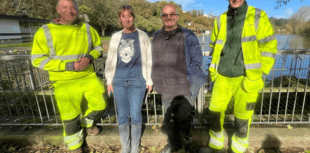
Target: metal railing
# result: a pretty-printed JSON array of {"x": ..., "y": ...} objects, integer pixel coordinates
[{"x": 27, "y": 99}]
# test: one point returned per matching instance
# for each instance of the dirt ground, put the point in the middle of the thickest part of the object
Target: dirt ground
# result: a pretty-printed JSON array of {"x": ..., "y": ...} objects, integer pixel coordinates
[{"x": 10, "y": 148}]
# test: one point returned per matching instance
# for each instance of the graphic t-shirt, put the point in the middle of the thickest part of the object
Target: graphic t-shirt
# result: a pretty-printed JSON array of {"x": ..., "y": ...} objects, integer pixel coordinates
[{"x": 129, "y": 56}]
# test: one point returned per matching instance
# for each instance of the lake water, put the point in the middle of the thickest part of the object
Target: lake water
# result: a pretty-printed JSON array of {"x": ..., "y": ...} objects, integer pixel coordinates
[
  {"x": 294, "y": 65},
  {"x": 285, "y": 42}
]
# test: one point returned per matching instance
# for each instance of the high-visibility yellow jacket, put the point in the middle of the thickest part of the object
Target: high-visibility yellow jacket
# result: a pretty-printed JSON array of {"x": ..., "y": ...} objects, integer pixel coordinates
[
  {"x": 57, "y": 46},
  {"x": 259, "y": 45}
]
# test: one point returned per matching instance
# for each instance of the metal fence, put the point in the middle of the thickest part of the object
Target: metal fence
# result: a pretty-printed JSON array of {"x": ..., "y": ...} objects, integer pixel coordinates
[{"x": 27, "y": 99}]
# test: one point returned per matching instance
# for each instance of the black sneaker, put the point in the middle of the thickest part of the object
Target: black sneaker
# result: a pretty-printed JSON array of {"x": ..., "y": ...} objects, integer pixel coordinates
[{"x": 188, "y": 140}]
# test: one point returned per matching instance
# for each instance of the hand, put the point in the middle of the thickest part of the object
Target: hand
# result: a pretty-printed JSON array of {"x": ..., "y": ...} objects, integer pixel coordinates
[
  {"x": 149, "y": 88},
  {"x": 81, "y": 64},
  {"x": 110, "y": 88}
]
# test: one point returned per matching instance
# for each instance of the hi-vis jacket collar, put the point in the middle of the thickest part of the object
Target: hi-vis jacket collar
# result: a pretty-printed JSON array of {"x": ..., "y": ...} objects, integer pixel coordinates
[{"x": 57, "y": 20}]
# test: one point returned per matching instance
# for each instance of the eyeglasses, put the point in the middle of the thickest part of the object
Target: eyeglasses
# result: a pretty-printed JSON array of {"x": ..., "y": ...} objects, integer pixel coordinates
[{"x": 171, "y": 15}]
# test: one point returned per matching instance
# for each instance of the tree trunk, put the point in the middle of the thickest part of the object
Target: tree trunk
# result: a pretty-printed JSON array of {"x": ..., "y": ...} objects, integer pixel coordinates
[
  {"x": 21, "y": 1},
  {"x": 103, "y": 29}
]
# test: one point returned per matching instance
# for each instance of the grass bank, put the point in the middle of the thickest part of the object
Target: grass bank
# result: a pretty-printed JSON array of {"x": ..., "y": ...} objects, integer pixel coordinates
[
  {"x": 105, "y": 38},
  {"x": 27, "y": 44}
]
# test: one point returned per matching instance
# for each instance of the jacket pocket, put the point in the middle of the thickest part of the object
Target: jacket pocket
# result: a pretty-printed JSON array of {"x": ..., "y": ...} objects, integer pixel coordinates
[{"x": 252, "y": 85}]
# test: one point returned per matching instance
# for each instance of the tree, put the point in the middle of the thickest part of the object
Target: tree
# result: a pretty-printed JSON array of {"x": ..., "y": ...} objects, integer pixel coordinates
[
  {"x": 101, "y": 12},
  {"x": 193, "y": 13},
  {"x": 197, "y": 26},
  {"x": 206, "y": 22},
  {"x": 7, "y": 7},
  {"x": 200, "y": 12},
  {"x": 281, "y": 3},
  {"x": 188, "y": 17},
  {"x": 146, "y": 16},
  {"x": 182, "y": 16},
  {"x": 32, "y": 8}
]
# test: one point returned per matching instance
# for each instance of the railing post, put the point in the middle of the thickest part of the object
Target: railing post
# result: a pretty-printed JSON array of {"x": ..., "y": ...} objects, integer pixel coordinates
[
  {"x": 200, "y": 105},
  {"x": 32, "y": 80}
]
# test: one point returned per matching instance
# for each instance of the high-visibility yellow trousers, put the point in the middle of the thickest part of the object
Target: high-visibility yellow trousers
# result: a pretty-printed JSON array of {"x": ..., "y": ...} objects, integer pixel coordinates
[
  {"x": 69, "y": 95},
  {"x": 244, "y": 102}
]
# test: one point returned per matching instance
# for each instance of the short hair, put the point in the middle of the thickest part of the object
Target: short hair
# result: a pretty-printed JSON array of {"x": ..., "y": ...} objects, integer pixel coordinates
[
  {"x": 161, "y": 11},
  {"x": 123, "y": 8},
  {"x": 74, "y": 3}
]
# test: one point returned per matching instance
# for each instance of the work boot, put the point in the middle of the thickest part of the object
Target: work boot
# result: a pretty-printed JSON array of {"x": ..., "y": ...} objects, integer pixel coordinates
[
  {"x": 78, "y": 150},
  {"x": 187, "y": 138},
  {"x": 135, "y": 137},
  {"x": 124, "y": 135},
  {"x": 210, "y": 150},
  {"x": 187, "y": 143},
  {"x": 92, "y": 131}
]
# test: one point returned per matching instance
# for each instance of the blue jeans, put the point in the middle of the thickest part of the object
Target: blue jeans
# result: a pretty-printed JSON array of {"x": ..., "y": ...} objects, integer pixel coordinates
[{"x": 129, "y": 94}]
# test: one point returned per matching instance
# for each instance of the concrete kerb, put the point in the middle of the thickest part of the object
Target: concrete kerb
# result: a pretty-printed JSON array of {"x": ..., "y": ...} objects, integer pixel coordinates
[{"x": 259, "y": 136}]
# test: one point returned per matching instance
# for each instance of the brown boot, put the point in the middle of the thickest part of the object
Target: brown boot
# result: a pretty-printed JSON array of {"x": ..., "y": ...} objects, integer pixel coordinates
[{"x": 92, "y": 131}]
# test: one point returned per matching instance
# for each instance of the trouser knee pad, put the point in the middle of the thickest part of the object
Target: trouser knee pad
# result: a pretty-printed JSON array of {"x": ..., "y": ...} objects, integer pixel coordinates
[
  {"x": 241, "y": 127},
  {"x": 72, "y": 126},
  {"x": 95, "y": 115},
  {"x": 214, "y": 122}
]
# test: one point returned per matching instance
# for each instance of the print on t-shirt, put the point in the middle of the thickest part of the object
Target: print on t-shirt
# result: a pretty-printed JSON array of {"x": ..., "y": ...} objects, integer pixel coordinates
[{"x": 126, "y": 49}]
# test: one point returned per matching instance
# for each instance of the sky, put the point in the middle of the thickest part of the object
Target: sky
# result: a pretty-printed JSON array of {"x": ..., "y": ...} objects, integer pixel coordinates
[{"x": 217, "y": 7}]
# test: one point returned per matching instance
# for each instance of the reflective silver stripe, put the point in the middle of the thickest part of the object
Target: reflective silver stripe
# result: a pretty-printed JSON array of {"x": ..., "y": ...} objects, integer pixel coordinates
[
  {"x": 239, "y": 144},
  {"x": 219, "y": 23},
  {"x": 211, "y": 42},
  {"x": 98, "y": 48},
  {"x": 44, "y": 62},
  {"x": 35, "y": 56},
  {"x": 235, "y": 145},
  {"x": 218, "y": 135},
  {"x": 74, "y": 140},
  {"x": 69, "y": 57},
  {"x": 217, "y": 139},
  {"x": 267, "y": 39},
  {"x": 216, "y": 142},
  {"x": 268, "y": 54},
  {"x": 49, "y": 40},
  {"x": 257, "y": 17},
  {"x": 248, "y": 38},
  {"x": 69, "y": 138},
  {"x": 88, "y": 36},
  {"x": 213, "y": 66},
  {"x": 253, "y": 66},
  {"x": 219, "y": 42},
  {"x": 87, "y": 122},
  {"x": 73, "y": 145}
]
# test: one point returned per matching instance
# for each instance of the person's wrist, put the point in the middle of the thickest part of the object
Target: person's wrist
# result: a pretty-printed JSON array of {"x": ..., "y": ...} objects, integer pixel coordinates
[{"x": 70, "y": 66}]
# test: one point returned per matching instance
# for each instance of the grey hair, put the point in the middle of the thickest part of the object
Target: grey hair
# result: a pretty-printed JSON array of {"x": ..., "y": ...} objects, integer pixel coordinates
[
  {"x": 161, "y": 11},
  {"x": 74, "y": 3}
]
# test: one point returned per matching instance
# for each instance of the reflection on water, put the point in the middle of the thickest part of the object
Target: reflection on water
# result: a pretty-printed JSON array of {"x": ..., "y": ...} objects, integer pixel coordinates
[
  {"x": 293, "y": 42},
  {"x": 284, "y": 42}
]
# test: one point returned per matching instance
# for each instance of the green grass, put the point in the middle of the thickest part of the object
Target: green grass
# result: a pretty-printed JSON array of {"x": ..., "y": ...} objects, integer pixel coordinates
[
  {"x": 28, "y": 44},
  {"x": 105, "y": 38}
]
